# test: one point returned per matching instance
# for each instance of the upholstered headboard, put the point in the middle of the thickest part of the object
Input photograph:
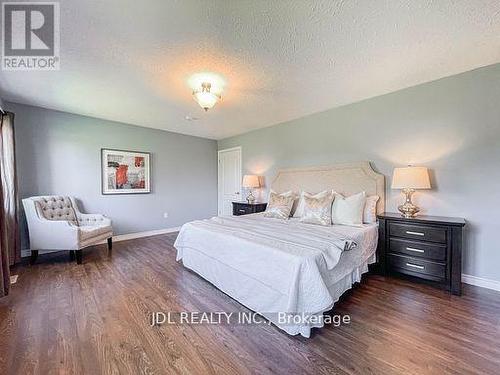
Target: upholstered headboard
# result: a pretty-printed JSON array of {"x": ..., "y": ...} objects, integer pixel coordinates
[{"x": 347, "y": 179}]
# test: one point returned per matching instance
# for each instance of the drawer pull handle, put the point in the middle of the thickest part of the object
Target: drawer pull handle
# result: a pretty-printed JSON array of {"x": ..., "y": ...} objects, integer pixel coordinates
[
  {"x": 415, "y": 250},
  {"x": 241, "y": 210},
  {"x": 415, "y": 266},
  {"x": 415, "y": 233}
]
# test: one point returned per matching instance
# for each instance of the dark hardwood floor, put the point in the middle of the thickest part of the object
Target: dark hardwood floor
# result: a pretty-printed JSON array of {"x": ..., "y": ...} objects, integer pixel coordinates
[{"x": 94, "y": 318}]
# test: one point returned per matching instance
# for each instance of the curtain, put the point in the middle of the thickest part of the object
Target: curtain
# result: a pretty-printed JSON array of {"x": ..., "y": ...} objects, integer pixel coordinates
[{"x": 10, "y": 251}]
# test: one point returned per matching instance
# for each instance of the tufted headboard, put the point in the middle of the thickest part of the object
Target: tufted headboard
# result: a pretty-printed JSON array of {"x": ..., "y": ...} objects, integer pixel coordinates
[{"x": 347, "y": 179}]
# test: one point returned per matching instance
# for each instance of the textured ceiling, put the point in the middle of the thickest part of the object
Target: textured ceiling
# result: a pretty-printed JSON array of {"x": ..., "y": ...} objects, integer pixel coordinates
[{"x": 129, "y": 60}]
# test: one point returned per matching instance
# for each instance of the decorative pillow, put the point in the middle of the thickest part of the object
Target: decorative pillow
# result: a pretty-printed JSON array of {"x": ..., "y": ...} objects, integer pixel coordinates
[
  {"x": 299, "y": 211},
  {"x": 317, "y": 210},
  {"x": 348, "y": 211},
  {"x": 279, "y": 205},
  {"x": 289, "y": 193},
  {"x": 370, "y": 211}
]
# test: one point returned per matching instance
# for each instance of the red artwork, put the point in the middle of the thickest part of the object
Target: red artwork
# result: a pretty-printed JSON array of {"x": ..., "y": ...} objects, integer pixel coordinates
[
  {"x": 125, "y": 172},
  {"x": 121, "y": 175},
  {"x": 139, "y": 161},
  {"x": 141, "y": 184}
]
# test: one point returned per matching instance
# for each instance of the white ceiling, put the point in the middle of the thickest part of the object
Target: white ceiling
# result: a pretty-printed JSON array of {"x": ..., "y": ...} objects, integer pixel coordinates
[{"x": 130, "y": 60}]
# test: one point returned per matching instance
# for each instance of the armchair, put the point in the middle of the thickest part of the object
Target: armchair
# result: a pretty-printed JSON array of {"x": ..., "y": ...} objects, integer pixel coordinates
[{"x": 55, "y": 223}]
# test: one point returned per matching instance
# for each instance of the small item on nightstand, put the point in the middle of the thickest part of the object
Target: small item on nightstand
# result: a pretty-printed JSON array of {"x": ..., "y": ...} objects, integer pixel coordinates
[
  {"x": 250, "y": 181},
  {"x": 409, "y": 179}
]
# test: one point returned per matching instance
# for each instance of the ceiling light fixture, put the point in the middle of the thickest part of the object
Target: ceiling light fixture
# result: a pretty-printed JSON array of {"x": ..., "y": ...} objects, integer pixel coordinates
[{"x": 204, "y": 97}]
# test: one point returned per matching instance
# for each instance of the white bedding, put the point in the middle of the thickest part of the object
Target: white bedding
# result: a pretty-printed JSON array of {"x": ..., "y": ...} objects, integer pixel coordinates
[{"x": 274, "y": 266}]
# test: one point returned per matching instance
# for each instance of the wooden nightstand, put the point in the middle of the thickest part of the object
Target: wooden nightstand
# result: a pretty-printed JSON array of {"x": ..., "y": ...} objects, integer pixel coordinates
[
  {"x": 425, "y": 247},
  {"x": 245, "y": 208}
]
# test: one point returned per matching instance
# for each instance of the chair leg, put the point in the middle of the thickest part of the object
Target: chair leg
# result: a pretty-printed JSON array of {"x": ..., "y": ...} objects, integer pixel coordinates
[
  {"x": 72, "y": 255},
  {"x": 79, "y": 256},
  {"x": 34, "y": 255},
  {"x": 110, "y": 245}
]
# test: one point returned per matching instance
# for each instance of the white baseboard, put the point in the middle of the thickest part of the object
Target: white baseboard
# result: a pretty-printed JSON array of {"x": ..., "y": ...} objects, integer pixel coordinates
[
  {"x": 479, "y": 281},
  {"x": 117, "y": 238},
  {"x": 131, "y": 236}
]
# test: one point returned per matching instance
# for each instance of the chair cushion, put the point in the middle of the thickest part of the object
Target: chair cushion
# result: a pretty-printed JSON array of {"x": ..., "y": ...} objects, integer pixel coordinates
[
  {"x": 90, "y": 231},
  {"x": 57, "y": 208}
]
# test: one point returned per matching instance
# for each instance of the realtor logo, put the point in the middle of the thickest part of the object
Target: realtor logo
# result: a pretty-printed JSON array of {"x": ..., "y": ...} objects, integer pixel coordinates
[{"x": 30, "y": 36}]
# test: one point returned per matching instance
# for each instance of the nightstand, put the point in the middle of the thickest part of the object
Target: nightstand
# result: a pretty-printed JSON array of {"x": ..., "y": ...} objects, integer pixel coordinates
[
  {"x": 245, "y": 208},
  {"x": 427, "y": 248}
]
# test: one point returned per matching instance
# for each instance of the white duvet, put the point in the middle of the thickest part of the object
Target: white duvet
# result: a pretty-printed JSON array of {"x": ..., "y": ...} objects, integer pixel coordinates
[{"x": 293, "y": 261}]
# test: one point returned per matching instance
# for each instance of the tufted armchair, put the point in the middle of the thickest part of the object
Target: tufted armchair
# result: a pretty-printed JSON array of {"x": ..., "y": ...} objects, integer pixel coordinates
[{"x": 55, "y": 223}]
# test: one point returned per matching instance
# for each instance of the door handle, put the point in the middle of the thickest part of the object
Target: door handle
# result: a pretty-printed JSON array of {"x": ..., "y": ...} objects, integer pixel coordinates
[
  {"x": 237, "y": 193},
  {"x": 415, "y": 233},
  {"x": 415, "y": 266}
]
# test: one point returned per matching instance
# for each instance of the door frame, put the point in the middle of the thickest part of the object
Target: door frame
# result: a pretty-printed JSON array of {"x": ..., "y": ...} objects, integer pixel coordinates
[{"x": 219, "y": 193}]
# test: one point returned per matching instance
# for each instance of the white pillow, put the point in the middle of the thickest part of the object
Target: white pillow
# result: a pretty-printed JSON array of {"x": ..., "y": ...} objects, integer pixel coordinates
[
  {"x": 299, "y": 211},
  {"x": 348, "y": 211},
  {"x": 370, "y": 211}
]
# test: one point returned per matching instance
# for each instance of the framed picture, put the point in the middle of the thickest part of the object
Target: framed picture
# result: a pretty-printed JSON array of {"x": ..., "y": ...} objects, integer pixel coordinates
[{"x": 125, "y": 172}]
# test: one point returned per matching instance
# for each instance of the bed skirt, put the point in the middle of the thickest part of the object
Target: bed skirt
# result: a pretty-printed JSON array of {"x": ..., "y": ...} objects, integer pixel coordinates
[{"x": 253, "y": 293}]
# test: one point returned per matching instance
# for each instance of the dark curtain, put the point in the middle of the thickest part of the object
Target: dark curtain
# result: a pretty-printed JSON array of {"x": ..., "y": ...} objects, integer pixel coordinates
[{"x": 10, "y": 251}]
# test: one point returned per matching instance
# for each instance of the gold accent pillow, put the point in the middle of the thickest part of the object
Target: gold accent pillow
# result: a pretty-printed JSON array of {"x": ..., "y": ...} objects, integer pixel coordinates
[
  {"x": 300, "y": 206},
  {"x": 318, "y": 210},
  {"x": 279, "y": 206}
]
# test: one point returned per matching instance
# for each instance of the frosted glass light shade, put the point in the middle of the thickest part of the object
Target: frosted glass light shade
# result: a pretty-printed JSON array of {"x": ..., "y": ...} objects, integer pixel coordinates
[
  {"x": 250, "y": 181},
  {"x": 411, "y": 178},
  {"x": 205, "y": 99}
]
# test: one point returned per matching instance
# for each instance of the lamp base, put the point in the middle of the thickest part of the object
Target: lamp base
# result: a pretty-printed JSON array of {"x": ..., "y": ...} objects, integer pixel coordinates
[
  {"x": 408, "y": 209},
  {"x": 250, "y": 198}
]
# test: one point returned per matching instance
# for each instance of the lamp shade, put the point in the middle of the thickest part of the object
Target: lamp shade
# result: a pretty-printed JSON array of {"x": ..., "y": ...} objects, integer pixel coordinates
[
  {"x": 411, "y": 178},
  {"x": 250, "y": 181}
]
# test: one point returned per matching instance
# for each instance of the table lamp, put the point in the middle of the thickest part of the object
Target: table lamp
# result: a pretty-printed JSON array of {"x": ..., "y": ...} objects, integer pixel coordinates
[
  {"x": 409, "y": 179},
  {"x": 250, "y": 181}
]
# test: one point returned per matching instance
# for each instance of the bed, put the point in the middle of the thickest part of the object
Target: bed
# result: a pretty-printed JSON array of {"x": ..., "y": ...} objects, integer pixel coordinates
[{"x": 287, "y": 271}]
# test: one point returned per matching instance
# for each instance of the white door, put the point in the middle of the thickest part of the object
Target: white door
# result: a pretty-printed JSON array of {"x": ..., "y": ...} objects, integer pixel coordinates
[{"x": 229, "y": 179}]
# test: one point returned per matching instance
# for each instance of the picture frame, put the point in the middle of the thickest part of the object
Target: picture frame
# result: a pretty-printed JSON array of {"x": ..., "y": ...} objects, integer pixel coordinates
[{"x": 125, "y": 172}]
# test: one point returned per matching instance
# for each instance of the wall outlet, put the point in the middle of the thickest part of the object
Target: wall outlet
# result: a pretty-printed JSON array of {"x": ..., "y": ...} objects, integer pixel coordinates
[{"x": 165, "y": 215}]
